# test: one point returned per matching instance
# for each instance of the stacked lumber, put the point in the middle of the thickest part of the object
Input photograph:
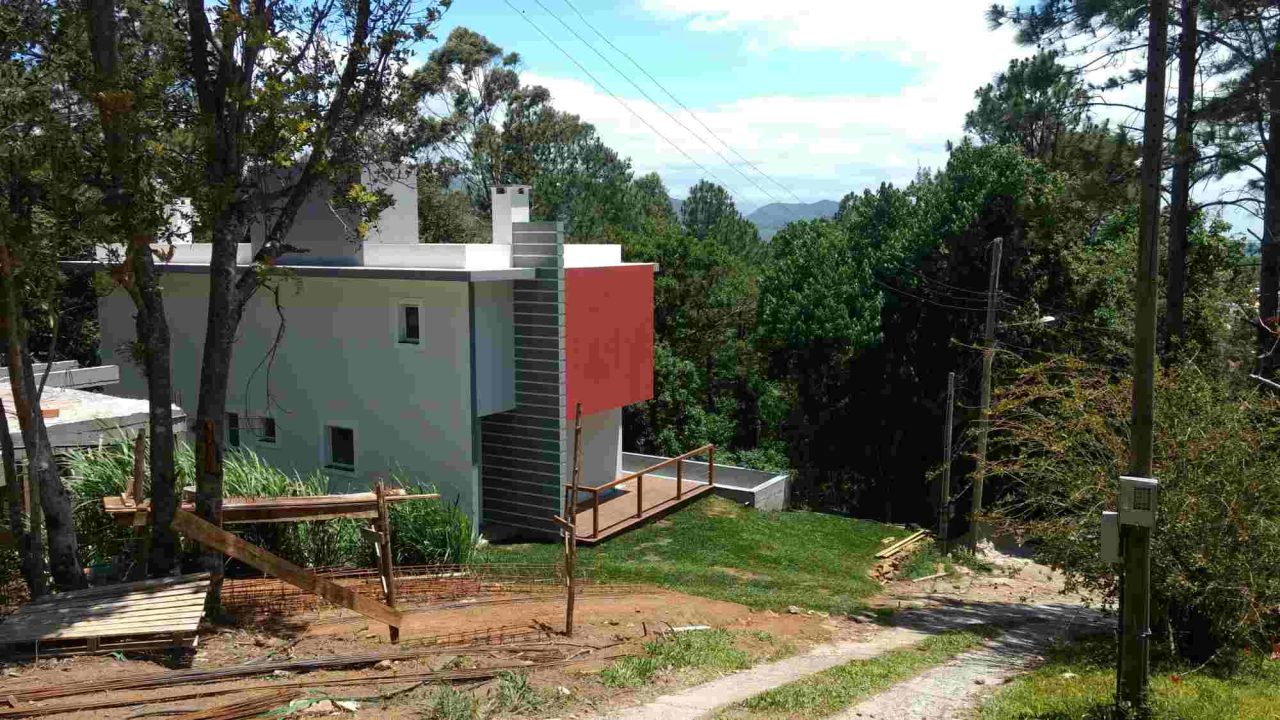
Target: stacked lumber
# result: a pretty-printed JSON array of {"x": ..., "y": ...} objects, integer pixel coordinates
[
  {"x": 890, "y": 560},
  {"x": 146, "y": 615}
]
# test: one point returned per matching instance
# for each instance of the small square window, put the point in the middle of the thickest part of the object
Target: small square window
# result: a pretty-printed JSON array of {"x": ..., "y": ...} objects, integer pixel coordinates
[
  {"x": 233, "y": 430},
  {"x": 341, "y": 447},
  {"x": 268, "y": 432},
  {"x": 409, "y": 317}
]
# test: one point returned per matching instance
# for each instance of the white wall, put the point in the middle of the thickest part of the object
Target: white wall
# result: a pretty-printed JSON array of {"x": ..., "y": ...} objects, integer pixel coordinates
[
  {"x": 601, "y": 447},
  {"x": 495, "y": 347},
  {"x": 410, "y": 406}
]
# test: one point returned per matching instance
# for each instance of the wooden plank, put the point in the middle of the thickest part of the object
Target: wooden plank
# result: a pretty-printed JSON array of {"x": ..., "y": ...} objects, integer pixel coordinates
[
  {"x": 894, "y": 548},
  {"x": 218, "y": 539},
  {"x": 268, "y": 510},
  {"x": 114, "y": 590},
  {"x": 105, "y": 646},
  {"x": 93, "y": 603}
]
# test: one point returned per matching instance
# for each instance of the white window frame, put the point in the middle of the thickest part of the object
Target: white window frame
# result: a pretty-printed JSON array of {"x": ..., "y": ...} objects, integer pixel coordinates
[
  {"x": 325, "y": 452},
  {"x": 397, "y": 313}
]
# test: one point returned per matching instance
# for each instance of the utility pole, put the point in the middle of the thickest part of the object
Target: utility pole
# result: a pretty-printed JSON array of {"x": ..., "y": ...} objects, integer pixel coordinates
[
  {"x": 944, "y": 507},
  {"x": 984, "y": 411},
  {"x": 1135, "y": 541}
]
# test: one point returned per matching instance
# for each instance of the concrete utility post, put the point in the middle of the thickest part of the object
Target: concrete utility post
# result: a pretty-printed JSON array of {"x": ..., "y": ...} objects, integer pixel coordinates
[
  {"x": 1135, "y": 539},
  {"x": 944, "y": 505},
  {"x": 984, "y": 412}
]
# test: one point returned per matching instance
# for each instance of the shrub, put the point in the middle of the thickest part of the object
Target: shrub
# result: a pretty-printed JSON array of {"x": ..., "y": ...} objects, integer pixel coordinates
[{"x": 1059, "y": 441}]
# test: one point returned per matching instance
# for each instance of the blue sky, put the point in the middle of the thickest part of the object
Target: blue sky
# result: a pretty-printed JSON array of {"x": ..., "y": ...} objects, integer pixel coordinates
[{"x": 824, "y": 96}]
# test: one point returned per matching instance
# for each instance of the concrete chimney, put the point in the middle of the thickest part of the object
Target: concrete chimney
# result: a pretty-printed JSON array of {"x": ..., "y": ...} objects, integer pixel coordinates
[{"x": 510, "y": 205}]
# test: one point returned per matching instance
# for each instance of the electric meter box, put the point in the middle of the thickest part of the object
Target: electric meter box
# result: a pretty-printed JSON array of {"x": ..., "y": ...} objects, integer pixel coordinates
[
  {"x": 1138, "y": 499},
  {"x": 1110, "y": 534}
]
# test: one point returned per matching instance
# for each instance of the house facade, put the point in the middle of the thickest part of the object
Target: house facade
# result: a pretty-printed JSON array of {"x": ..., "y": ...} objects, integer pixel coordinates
[{"x": 460, "y": 365}]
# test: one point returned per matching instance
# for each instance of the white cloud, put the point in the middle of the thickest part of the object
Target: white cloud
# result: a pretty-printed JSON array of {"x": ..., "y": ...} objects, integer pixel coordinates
[{"x": 825, "y": 146}]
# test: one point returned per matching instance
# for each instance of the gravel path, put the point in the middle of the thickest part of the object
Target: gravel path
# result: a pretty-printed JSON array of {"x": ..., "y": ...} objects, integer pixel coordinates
[
  {"x": 701, "y": 700},
  {"x": 952, "y": 691},
  {"x": 1028, "y": 628}
]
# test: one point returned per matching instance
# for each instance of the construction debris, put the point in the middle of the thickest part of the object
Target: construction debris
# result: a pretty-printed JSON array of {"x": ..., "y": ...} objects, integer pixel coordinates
[
  {"x": 31, "y": 702},
  {"x": 224, "y": 542},
  {"x": 903, "y": 544},
  {"x": 247, "y": 708},
  {"x": 150, "y": 614}
]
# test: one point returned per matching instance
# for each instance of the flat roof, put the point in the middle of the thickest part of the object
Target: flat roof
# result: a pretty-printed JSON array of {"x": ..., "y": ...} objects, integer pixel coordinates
[
  {"x": 84, "y": 418},
  {"x": 355, "y": 271}
]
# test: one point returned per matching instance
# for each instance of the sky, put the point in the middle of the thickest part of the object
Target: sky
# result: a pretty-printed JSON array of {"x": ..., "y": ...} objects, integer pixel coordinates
[{"x": 825, "y": 97}]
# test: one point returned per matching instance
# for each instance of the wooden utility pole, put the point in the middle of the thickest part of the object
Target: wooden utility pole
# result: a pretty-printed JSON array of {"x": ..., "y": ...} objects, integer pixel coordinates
[
  {"x": 944, "y": 505},
  {"x": 984, "y": 411},
  {"x": 571, "y": 530},
  {"x": 1135, "y": 590},
  {"x": 1180, "y": 185}
]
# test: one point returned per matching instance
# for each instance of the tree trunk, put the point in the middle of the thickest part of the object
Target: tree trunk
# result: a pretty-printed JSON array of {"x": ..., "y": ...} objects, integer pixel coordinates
[
  {"x": 1269, "y": 271},
  {"x": 1180, "y": 189},
  {"x": 215, "y": 375},
  {"x": 55, "y": 498},
  {"x": 30, "y": 545},
  {"x": 43, "y": 479}
]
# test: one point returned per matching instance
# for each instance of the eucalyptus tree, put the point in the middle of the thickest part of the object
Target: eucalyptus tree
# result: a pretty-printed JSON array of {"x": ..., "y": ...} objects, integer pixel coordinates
[{"x": 291, "y": 97}]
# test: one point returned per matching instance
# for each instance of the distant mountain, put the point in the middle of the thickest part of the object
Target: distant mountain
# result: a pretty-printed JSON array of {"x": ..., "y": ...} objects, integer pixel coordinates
[{"x": 772, "y": 217}]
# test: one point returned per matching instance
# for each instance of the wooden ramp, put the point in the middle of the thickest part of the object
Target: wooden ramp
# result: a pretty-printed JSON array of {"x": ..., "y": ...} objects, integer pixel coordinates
[
  {"x": 604, "y": 516},
  {"x": 146, "y": 615}
]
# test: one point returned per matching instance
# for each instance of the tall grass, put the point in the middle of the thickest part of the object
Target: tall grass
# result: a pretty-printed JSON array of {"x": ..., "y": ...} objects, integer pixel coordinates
[{"x": 423, "y": 531}]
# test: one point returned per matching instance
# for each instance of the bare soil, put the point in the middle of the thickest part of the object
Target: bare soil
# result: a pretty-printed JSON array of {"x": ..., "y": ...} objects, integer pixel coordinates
[{"x": 625, "y": 622}]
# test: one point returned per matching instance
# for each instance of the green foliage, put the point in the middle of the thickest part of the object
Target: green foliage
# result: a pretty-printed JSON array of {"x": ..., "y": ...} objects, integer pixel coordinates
[
  {"x": 1059, "y": 442},
  {"x": 515, "y": 695},
  {"x": 425, "y": 531},
  {"x": 721, "y": 550},
  {"x": 708, "y": 650},
  {"x": 1078, "y": 681},
  {"x": 451, "y": 704},
  {"x": 826, "y": 693},
  {"x": 1030, "y": 105}
]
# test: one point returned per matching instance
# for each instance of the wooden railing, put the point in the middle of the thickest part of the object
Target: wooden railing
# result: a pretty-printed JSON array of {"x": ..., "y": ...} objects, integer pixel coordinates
[{"x": 638, "y": 477}]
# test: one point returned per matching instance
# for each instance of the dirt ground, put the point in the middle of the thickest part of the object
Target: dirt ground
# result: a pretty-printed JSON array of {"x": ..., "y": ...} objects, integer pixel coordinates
[
  {"x": 622, "y": 623},
  {"x": 616, "y": 622}
]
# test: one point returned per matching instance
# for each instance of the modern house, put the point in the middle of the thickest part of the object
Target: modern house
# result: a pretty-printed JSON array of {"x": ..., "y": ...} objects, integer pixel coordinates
[{"x": 460, "y": 364}]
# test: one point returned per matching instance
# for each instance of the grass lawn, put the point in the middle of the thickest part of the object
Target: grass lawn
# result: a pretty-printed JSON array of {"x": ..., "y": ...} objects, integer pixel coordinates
[
  {"x": 718, "y": 549},
  {"x": 833, "y": 690},
  {"x": 1078, "y": 683}
]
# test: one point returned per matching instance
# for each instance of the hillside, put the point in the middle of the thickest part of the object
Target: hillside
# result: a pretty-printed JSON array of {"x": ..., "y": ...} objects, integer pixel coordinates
[{"x": 772, "y": 217}]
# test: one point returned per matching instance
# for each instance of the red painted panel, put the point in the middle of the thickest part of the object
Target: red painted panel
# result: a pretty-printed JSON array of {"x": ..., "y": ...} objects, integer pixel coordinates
[{"x": 608, "y": 319}]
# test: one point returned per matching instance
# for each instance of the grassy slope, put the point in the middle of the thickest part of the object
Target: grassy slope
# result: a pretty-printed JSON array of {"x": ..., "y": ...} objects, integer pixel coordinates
[
  {"x": 830, "y": 691},
  {"x": 717, "y": 549},
  {"x": 1078, "y": 682}
]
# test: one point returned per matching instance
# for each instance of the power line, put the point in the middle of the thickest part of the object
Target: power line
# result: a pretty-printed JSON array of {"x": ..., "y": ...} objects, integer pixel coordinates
[
  {"x": 655, "y": 103},
  {"x": 676, "y": 100},
  {"x": 613, "y": 95}
]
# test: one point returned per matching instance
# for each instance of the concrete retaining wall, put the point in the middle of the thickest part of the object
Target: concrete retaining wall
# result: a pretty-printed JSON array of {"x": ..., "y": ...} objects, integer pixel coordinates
[{"x": 761, "y": 490}]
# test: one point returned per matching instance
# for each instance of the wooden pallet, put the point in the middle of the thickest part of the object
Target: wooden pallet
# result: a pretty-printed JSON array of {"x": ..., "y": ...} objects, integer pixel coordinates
[{"x": 145, "y": 615}]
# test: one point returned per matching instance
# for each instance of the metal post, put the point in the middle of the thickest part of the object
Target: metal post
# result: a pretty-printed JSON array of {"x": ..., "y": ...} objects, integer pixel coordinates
[
  {"x": 679, "y": 476},
  {"x": 639, "y": 495},
  {"x": 984, "y": 412},
  {"x": 944, "y": 505},
  {"x": 1135, "y": 608}
]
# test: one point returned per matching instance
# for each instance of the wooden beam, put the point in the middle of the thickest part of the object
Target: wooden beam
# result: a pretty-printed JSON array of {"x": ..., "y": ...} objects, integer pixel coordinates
[{"x": 218, "y": 539}]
